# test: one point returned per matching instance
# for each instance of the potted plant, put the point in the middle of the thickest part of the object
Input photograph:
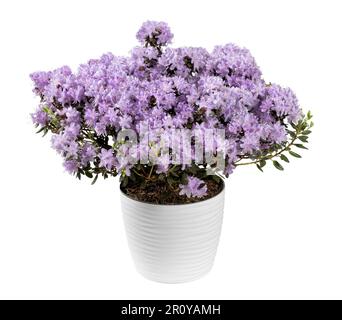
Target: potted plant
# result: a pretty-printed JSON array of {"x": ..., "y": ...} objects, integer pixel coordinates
[{"x": 172, "y": 123}]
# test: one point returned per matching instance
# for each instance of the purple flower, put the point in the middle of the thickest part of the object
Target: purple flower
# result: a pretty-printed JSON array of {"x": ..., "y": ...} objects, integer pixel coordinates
[
  {"x": 40, "y": 79},
  {"x": 90, "y": 117},
  {"x": 194, "y": 188},
  {"x": 163, "y": 163},
  {"x": 153, "y": 30},
  {"x": 71, "y": 166},
  {"x": 72, "y": 131},
  {"x": 88, "y": 154},
  {"x": 282, "y": 101},
  {"x": 100, "y": 127},
  {"x": 64, "y": 145},
  {"x": 235, "y": 64},
  {"x": 125, "y": 122},
  {"x": 72, "y": 115},
  {"x": 107, "y": 159},
  {"x": 250, "y": 143},
  {"x": 278, "y": 133},
  {"x": 40, "y": 118}
]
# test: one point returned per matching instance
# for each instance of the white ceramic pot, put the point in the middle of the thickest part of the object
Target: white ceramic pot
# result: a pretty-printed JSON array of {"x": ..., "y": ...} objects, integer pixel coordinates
[{"x": 173, "y": 243}]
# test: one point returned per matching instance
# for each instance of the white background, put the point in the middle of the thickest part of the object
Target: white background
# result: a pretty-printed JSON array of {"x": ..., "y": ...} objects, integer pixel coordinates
[{"x": 282, "y": 232}]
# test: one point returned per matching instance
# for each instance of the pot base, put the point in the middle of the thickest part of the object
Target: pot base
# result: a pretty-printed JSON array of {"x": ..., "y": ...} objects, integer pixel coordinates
[{"x": 169, "y": 280}]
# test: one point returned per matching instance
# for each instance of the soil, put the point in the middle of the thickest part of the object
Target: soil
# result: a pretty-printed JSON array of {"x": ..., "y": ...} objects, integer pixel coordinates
[{"x": 160, "y": 193}]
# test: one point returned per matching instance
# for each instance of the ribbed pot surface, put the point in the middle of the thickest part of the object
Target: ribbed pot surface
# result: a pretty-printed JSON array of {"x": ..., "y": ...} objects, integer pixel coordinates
[{"x": 173, "y": 243}]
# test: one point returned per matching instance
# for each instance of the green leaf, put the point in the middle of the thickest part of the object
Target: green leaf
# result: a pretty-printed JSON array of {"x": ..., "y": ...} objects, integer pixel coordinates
[
  {"x": 303, "y": 126},
  {"x": 95, "y": 179},
  {"x": 259, "y": 167},
  {"x": 46, "y": 130},
  {"x": 284, "y": 158},
  {"x": 306, "y": 132},
  {"x": 262, "y": 163},
  {"x": 292, "y": 134},
  {"x": 88, "y": 174},
  {"x": 293, "y": 125},
  {"x": 303, "y": 138},
  {"x": 47, "y": 110},
  {"x": 125, "y": 181},
  {"x": 173, "y": 173},
  {"x": 41, "y": 129},
  {"x": 278, "y": 165},
  {"x": 299, "y": 145},
  {"x": 293, "y": 154}
]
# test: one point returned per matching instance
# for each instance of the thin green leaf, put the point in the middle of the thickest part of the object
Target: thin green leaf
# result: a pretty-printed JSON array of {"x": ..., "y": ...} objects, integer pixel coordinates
[
  {"x": 278, "y": 165},
  {"x": 259, "y": 167},
  {"x": 299, "y": 145},
  {"x": 41, "y": 129},
  {"x": 173, "y": 173},
  {"x": 95, "y": 179},
  {"x": 45, "y": 132},
  {"x": 293, "y": 125},
  {"x": 124, "y": 181},
  {"x": 292, "y": 134},
  {"x": 303, "y": 138},
  {"x": 262, "y": 163},
  {"x": 294, "y": 154},
  {"x": 303, "y": 126},
  {"x": 284, "y": 158}
]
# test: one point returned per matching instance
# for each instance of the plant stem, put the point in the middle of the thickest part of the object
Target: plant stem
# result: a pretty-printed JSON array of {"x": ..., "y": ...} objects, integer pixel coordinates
[
  {"x": 141, "y": 175},
  {"x": 149, "y": 176},
  {"x": 270, "y": 156}
]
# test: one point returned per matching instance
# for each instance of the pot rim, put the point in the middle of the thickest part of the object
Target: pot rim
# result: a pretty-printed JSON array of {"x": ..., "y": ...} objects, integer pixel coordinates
[{"x": 176, "y": 204}]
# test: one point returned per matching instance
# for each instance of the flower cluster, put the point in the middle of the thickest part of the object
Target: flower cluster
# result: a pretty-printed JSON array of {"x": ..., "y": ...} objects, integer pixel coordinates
[
  {"x": 164, "y": 89},
  {"x": 194, "y": 188},
  {"x": 154, "y": 33}
]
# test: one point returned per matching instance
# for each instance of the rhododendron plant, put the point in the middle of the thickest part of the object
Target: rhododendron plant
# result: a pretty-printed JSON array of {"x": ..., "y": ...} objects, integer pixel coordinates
[{"x": 179, "y": 116}]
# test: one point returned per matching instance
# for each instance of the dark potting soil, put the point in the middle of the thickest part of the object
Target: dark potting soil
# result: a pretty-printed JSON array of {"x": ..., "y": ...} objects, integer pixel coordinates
[{"x": 160, "y": 192}]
